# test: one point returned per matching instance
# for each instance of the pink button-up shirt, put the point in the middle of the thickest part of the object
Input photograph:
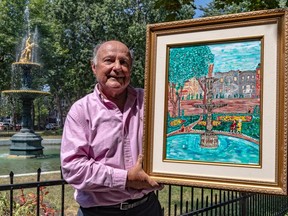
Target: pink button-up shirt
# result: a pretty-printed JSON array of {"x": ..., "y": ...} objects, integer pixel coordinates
[{"x": 99, "y": 145}]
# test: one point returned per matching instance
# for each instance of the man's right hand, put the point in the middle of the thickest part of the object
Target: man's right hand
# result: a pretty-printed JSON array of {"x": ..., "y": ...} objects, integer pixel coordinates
[{"x": 137, "y": 178}]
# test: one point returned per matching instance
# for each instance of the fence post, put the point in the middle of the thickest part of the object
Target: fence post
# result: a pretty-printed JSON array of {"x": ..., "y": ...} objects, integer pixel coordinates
[
  {"x": 38, "y": 192},
  {"x": 63, "y": 193},
  {"x": 11, "y": 192},
  {"x": 244, "y": 207}
]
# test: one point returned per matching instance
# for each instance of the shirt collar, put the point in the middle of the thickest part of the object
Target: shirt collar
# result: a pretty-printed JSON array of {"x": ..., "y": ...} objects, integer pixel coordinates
[{"x": 131, "y": 93}]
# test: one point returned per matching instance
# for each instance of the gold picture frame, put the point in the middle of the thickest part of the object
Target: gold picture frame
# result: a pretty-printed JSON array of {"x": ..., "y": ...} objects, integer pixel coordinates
[{"x": 193, "y": 100}]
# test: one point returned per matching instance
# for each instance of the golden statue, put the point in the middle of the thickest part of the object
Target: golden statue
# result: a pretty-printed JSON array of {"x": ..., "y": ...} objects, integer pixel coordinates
[{"x": 26, "y": 53}]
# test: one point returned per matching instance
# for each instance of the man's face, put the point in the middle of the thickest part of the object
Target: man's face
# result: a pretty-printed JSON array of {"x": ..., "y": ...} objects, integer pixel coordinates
[{"x": 112, "y": 68}]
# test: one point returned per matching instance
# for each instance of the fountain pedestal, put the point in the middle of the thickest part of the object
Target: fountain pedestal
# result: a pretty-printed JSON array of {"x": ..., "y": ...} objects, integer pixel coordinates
[
  {"x": 26, "y": 143},
  {"x": 209, "y": 140}
]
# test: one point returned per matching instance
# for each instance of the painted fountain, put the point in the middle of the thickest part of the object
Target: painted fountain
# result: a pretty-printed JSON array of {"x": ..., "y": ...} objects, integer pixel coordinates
[{"x": 209, "y": 139}]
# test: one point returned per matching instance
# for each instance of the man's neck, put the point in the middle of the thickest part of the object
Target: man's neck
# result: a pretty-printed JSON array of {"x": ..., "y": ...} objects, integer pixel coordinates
[{"x": 118, "y": 99}]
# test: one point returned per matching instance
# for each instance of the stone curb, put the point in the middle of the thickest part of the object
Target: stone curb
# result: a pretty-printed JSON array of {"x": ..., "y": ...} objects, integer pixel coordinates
[{"x": 6, "y": 142}]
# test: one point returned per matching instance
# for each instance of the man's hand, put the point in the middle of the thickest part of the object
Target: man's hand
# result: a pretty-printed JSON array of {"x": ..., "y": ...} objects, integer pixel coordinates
[{"x": 138, "y": 179}]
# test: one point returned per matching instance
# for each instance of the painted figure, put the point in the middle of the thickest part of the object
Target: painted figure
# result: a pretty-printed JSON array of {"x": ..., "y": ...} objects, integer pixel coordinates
[
  {"x": 239, "y": 126},
  {"x": 182, "y": 129},
  {"x": 233, "y": 126}
]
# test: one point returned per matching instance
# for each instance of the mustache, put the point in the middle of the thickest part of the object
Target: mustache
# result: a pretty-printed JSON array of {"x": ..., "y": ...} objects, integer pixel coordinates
[{"x": 116, "y": 75}]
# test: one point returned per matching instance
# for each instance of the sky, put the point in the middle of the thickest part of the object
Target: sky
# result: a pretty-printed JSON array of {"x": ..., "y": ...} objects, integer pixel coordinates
[{"x": 200, "y": 2}]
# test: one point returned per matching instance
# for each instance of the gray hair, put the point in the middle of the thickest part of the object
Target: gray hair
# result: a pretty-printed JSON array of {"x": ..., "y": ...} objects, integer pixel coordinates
[{"x": 97, "y": 47}]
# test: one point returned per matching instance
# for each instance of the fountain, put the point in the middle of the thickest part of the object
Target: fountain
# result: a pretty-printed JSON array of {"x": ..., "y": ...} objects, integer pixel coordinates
[
  {"x": 26, "y": 142},
  {"x": 209, "y": 139}
]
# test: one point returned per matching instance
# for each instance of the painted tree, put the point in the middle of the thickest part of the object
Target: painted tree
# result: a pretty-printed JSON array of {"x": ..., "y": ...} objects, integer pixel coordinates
[{"x": 185, "y": 63}]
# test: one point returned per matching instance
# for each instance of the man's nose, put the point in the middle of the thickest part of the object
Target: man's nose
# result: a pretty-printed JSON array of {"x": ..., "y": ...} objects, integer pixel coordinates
[{"x": 117, "y": 65}]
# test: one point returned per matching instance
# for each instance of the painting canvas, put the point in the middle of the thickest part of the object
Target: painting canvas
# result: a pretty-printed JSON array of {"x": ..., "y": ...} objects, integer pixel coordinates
[
  {"x": 216, "y": 102},
  {"x": 214, "y": 93}
]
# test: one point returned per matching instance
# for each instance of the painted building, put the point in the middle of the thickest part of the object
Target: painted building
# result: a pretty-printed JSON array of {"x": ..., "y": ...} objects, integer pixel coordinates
[{"x": 232, "y": 84}]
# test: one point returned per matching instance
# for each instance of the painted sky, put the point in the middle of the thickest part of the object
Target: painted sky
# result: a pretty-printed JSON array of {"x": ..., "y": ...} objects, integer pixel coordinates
[{"x": 236, "y": 56}]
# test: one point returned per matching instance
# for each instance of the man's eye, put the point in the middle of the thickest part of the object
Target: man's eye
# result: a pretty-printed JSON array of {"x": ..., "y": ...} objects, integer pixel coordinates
[
  {"x": 107, "y": 60},
  {"x": 124, "y": 62}
]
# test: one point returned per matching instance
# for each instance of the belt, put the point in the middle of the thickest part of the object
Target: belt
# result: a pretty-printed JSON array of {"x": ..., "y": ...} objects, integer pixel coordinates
[{"x": 129, "y": 204}]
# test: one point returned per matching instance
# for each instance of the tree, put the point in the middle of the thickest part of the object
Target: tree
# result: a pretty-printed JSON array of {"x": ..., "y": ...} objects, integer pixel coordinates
[
  {"x": 185, "y": 63},
  {"x": 75, "y": 27},
  {"x": 220, "y": 7},
  {"x": 176, "y": 9},
  {"x": 11, "y": 28},
  {"x": 69, "y": 30},
  {"x": 252, "y": 5}
]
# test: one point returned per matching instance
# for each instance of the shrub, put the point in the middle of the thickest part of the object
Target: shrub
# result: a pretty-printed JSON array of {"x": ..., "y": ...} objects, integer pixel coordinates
[{"x": 26, "y": 204}]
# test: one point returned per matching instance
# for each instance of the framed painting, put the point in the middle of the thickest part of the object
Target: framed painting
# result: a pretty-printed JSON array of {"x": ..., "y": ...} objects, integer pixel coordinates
[{"x": 216, "y": 102}]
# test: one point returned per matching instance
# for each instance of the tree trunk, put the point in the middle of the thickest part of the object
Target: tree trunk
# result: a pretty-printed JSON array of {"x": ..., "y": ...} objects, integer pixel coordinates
[{"x": 59, "y": 110}]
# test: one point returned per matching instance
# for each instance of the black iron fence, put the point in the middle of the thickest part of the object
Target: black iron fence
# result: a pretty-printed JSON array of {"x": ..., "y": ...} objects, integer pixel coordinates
[{"x": 175, "y": 200}]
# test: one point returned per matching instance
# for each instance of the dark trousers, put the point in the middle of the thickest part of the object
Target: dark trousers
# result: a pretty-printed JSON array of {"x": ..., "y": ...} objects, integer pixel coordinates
[{"x": 150, "y": 208}]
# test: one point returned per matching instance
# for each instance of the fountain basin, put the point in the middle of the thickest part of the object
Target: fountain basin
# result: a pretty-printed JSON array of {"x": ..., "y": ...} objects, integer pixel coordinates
[
  {"x": 27, "y": 63},
  {"x": 49, "y": 162},
  {"x": 231, "y": 150},
  {"x": 26, "y": 93}
]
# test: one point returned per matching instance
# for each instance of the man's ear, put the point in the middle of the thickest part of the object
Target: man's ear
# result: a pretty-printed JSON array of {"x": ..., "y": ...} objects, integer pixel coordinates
[{"x": 93, "y": 66}]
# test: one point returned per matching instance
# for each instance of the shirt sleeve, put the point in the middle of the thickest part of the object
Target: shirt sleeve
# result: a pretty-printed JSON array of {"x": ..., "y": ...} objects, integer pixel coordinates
[{"x": 78, "y": 168}]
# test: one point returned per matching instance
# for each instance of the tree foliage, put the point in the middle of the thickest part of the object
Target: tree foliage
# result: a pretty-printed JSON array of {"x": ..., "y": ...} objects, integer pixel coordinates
[
  {"x": 11, "y": 29},
  {"x": 220, "y": 7},
  {"x": 176, "y": 9},
  {"x": 70, "y": 29},
  {"x": 252, "y": 5}
]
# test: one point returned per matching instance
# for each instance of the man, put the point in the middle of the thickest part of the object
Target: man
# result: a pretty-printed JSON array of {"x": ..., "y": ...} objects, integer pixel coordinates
[{"x": 102, "y": 142}]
